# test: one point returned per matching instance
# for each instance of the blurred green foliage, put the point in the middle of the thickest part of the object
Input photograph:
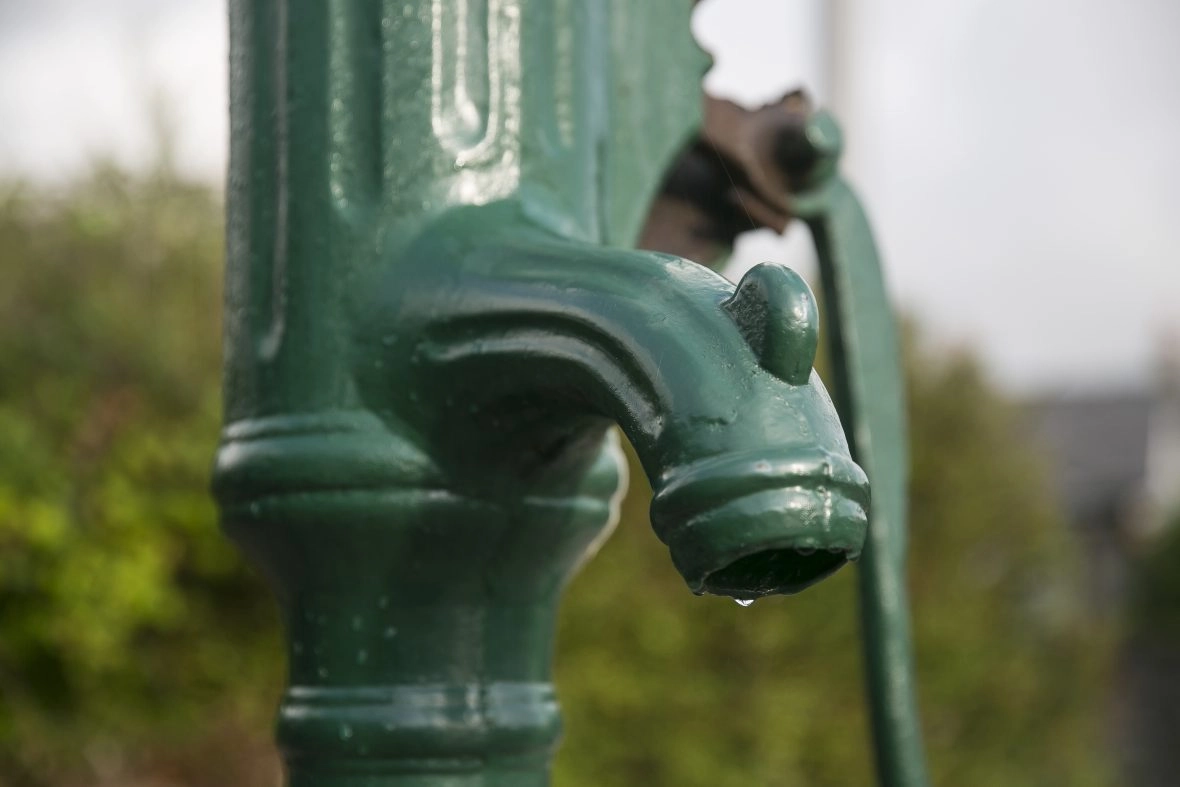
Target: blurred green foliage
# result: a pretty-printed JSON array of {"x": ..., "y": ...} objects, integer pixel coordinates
[
  {"x": 1149, "y": 660},
  {"x": 133, "y": 642},
  {"x": 126, "y": 621},
  {"x": 1154, "y": 608}
]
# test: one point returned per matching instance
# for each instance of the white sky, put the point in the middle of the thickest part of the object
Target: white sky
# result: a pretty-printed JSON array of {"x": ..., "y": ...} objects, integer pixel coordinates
[{"x": 1019, "y": 157}]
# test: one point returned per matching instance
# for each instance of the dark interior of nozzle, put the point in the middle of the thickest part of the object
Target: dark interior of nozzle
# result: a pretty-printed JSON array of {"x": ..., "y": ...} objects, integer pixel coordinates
[{"x": 773, "y": 571}]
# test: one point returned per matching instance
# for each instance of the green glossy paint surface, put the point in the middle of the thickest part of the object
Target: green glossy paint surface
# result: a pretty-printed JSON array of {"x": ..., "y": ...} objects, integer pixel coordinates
[{"x": 428, "y": 334}]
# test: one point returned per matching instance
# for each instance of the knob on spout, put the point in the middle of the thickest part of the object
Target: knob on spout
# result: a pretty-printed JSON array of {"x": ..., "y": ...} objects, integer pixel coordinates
[{"x": 774, "y": 309}]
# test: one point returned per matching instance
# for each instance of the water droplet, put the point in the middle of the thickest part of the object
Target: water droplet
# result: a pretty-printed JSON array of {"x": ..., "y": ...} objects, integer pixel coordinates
[
  {"x": 743, "y": 602},
  {"x": 362, "y": 656},
  {"x": 345, "y": 732},
  {"x": 358, "y": 623},
  {"x": 297, "y": 648},
  {"x": 322, "y": 672},
  {"x": 383, "y": 602},
  {"x": 390, "y": 632}
]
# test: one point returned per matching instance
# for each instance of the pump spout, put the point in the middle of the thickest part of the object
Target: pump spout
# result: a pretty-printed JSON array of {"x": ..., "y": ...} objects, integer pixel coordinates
[
  {"x": 419, "y": 531},
  {"x": 537, "y": 343}
]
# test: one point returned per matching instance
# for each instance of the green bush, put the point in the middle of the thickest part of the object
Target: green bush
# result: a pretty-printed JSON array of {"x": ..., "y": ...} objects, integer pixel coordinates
[
  {"x": 133, "y": 642},
  {"x": 1155, "y": 588},
  {"x": 124, "y": 617}
]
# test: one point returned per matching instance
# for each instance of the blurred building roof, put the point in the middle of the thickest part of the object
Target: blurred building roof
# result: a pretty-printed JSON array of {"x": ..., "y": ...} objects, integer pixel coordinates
[
  {"x": 1098, "y": 449},
  {"x": 1115, "y": 456}
]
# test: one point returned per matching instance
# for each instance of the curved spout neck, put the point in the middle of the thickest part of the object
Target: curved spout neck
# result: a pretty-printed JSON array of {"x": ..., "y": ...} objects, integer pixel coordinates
[{"x": 535, "y": 344}]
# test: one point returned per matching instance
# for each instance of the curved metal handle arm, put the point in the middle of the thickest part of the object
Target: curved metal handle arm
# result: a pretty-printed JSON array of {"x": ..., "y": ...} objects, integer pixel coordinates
[{"x": 868, "y": 390}]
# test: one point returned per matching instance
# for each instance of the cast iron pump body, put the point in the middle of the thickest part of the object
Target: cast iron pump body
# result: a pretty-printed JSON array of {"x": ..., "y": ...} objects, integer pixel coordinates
[{"x": 431, "y": 330}]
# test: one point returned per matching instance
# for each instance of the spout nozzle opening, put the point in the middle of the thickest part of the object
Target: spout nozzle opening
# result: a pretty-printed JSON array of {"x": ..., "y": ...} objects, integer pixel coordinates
[
  {"x": 774, "y": 571},
  {"x": 747, "y": 528}
]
